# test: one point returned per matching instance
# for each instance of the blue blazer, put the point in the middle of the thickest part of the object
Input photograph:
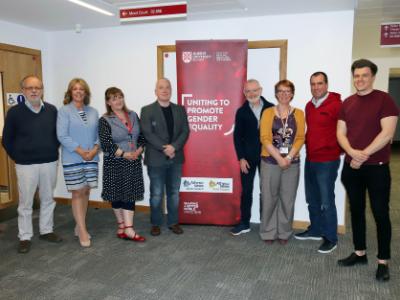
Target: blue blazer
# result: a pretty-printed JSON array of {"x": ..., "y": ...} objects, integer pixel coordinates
[{"x": 73, "y": 132}]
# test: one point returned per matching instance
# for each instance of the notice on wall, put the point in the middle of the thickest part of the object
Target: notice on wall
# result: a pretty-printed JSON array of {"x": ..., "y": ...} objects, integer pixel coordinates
[
  {"x": 210, "y": 78},
  {"x": 14, "y": 98},
  {"x": 390, "y": 34}
]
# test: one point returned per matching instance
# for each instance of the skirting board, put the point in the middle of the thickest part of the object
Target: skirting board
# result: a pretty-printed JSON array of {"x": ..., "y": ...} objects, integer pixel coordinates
[{"x": 146, "y": 209}]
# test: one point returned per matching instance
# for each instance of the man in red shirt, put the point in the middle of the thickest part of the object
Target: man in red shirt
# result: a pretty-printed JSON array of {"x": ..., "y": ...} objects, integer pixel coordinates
[
  {"x": 367, "y": 123},
  {"x": 322, "y": 163}
]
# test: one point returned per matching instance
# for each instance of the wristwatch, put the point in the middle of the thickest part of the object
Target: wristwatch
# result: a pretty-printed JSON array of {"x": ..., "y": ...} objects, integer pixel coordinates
[{"x": 289, "y": 157}]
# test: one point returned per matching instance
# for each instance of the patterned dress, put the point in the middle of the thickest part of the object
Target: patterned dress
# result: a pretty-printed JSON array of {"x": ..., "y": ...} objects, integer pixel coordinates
[{"x": 122, "y": 178}]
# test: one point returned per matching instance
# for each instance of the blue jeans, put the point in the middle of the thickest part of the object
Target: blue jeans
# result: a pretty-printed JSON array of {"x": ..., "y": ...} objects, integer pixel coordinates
[
  {"x": 167, "y": 176},
  {"x": 320, "y": 180}
]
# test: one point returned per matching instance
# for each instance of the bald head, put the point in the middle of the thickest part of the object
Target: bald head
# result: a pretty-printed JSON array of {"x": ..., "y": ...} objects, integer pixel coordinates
[
  {"x": 29, "y": 78},
  {"x": 163, "y": 91}
]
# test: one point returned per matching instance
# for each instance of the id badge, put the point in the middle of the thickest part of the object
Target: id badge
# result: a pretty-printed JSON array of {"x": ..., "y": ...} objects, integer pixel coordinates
[{"x": 284, "y": 150}]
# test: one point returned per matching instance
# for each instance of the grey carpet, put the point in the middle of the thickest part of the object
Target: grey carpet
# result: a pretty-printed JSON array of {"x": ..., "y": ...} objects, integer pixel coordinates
[{"x": 206, "y": 262}]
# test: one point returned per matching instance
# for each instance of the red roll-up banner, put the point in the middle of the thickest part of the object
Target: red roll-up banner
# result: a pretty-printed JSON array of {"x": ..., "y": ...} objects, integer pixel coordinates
[{"x": 210, "y": 77}]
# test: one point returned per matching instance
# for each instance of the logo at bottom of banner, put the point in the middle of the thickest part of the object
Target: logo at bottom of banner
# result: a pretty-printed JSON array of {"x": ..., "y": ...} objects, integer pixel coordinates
[{"x": 206, "y": 185}]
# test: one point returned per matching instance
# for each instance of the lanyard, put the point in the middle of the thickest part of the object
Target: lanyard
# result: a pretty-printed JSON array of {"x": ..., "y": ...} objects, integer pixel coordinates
[
  {"x": 127, "y": 124},
  {"x": 284, "y": 124}
]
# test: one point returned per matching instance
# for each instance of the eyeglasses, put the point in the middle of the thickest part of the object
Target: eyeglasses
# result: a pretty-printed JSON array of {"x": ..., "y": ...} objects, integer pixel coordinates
[
  {"x": 284, "y": 92},
  {"x": 33, "y": 88}
]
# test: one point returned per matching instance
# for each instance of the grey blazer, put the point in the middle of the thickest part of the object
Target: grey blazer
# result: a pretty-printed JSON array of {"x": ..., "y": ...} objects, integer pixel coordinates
[{"x": 155, "y": 131}]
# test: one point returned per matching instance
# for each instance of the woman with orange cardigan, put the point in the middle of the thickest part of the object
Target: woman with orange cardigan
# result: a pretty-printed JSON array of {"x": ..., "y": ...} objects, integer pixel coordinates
[{"x": 282, "y": 136}]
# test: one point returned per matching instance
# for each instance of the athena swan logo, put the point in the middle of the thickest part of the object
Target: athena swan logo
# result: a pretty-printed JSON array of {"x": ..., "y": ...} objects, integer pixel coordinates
[{"x": 186, "y": 57}]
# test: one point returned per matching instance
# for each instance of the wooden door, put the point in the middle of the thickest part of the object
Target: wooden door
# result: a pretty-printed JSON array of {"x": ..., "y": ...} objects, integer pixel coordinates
[{"x": 15, "y": 64}]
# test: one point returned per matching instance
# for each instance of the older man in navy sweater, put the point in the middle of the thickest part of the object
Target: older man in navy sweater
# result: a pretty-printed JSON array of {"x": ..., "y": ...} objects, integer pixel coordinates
[
  {"x": 29, "y": 138},
  {"x": 248, "y": 147}
]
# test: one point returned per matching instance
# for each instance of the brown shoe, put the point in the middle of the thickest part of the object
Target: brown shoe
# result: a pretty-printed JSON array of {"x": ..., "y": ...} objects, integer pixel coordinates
[
  {"x": 176, "y": 229},
  {"x": 283, "y": 242},
  {"x": 24, "y": 246},
  {"x": 155, "y": 230},
  {"x": 51, "y": 237}
]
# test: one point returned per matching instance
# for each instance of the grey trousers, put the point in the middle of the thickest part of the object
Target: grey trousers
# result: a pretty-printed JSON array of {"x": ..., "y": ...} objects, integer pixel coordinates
[
  {"x": 29, "y": 178},
  {"x": 278, "y": 194}
]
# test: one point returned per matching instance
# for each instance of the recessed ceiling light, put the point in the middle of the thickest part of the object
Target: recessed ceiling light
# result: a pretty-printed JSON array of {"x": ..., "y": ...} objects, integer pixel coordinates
[{"x": 92, "y": 7}]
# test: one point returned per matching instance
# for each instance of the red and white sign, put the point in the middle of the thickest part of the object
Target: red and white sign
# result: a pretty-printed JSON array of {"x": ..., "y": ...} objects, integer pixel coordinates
[
  {"x": 390, "y": 34},
  {"x": 153, "y": 12},
  {"x": 211, "y": 76}
]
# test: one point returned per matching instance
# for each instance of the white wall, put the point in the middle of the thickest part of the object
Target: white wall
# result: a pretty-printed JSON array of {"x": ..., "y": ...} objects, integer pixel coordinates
[{"x": 125, "y": 56}]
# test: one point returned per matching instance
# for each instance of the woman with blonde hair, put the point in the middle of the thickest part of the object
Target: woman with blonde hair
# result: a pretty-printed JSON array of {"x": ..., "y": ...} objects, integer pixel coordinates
[
  {"x": 122, "y": 143},
  {"x": 282, "y": 136},
  {"x": 77, "y": 125}
]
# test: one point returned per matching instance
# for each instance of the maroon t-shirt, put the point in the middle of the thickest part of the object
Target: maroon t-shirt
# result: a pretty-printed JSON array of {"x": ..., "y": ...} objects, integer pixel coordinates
[{"x": 362, "y": 115}]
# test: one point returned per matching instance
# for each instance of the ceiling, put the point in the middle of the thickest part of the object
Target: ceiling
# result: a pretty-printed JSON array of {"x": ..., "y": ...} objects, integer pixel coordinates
[{"x": 55, "y": 15}]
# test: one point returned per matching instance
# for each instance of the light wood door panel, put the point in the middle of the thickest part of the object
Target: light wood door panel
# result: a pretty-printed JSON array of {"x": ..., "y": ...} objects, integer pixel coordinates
[{"x": 15, "y": 63}]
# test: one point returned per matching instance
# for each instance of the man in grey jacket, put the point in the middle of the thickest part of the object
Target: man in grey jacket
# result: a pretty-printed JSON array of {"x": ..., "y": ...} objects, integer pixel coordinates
[{"x": 166, "y": 130}]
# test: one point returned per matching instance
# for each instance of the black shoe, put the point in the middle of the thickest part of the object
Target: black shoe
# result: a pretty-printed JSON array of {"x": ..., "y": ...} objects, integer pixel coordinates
[
  {"x": 382, "y": 273},
  {"x": 307, "y": 235},
  {"x": 240, "y": 228},
  {"x": 24, "y": 246},
  {"x": 327, "y": 247},
  {"x": 51, "y": 237},
  {"x": 352, "y": 260}
]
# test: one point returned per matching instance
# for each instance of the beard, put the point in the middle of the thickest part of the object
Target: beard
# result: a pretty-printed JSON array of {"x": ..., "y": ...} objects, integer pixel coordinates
[
  {"x": 35, "y": 101},
  {"x": 254, "y": 99}
]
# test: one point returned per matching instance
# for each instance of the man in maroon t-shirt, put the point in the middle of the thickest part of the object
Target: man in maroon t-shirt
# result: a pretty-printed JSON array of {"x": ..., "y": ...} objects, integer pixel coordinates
[{"x": 367, "y": 123}]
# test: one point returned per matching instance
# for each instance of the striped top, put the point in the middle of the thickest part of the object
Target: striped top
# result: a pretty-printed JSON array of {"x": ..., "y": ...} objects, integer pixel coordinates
[{"x": 82, "y": 113}]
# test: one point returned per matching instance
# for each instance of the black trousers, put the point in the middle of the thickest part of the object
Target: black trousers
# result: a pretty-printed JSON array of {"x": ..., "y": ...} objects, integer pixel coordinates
[
  {"x": 376, "y": 180},
  {"x": 246, "y": 199}
]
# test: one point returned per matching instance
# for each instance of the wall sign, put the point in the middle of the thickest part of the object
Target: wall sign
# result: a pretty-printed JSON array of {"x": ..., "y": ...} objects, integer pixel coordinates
[
  {"x": 390, "y": 34},
  {"x": 153, "y": 12},
  {"x": 14, "y": 98}
]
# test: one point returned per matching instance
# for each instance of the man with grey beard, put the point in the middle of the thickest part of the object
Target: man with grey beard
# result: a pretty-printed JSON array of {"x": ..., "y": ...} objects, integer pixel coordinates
[
  {"x": 248, "y": 147},
  {"x": 29, "y": 138}
]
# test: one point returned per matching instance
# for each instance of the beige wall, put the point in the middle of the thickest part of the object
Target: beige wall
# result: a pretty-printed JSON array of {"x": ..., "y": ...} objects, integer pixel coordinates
[
  {"x": 366, "y": 44},
  {"x": 1, "y": 105}
]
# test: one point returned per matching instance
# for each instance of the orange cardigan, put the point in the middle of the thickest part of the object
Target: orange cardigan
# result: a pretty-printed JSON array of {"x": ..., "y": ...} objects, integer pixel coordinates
[{"x": 266, "y": 129}]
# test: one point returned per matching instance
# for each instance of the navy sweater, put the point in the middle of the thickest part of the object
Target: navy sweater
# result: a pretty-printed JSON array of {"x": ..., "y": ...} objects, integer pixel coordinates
[
  {"x": 246, "y": 135},
  {"x": 31, "y": 138}
]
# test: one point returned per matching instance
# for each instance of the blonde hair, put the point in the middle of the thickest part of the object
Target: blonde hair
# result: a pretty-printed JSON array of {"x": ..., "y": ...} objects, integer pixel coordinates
[{"x": 72, "y": 83}]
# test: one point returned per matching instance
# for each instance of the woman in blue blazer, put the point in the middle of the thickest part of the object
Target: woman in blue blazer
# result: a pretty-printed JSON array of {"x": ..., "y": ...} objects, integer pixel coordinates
[{"x": 77, "y": 127}]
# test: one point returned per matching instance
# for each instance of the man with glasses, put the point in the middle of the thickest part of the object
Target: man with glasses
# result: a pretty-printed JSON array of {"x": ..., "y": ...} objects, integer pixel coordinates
[
  {"x": 248, "y": 147},
  {"x": 29, "y": 138}
]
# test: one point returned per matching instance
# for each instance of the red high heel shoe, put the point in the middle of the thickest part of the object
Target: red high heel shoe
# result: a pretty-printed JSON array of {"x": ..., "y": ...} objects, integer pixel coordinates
[
  {"x": 135, "y": 238},
  {"x": 121, "y": 235}
]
